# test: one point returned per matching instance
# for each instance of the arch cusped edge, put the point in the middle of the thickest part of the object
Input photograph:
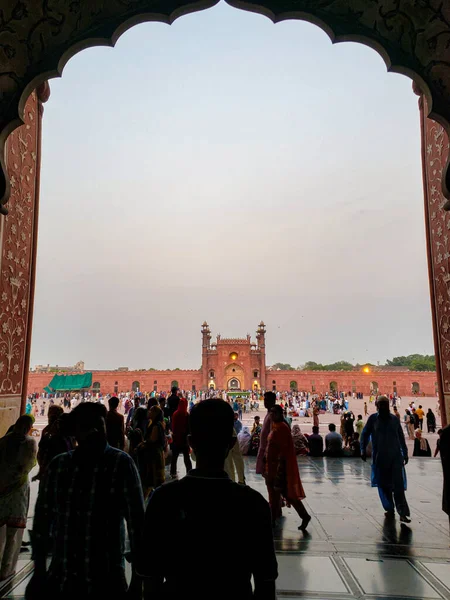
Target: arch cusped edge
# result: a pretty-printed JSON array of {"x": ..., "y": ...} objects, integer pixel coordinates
[
  {"x": 363, "y": 21},
  {"x": 44, "y": 39},
  {"x": 413, "y": 40}
]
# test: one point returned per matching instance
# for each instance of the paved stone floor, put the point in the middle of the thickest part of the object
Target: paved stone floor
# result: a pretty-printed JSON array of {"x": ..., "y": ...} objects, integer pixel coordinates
[{"x": 350, "y": 550}]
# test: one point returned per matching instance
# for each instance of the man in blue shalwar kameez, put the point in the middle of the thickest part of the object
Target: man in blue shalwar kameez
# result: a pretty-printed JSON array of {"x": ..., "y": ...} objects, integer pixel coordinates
[{"x": 389, "y": 455}]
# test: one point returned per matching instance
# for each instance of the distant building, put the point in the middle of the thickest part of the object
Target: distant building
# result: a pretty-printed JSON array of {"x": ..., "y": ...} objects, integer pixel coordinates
[
  {"x": 78, "y": 367},
  {"x": 240, "y": 364}
]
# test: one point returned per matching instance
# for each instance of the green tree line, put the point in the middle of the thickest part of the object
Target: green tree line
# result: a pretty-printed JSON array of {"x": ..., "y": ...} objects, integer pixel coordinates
[{"x": 414, "y": 362}]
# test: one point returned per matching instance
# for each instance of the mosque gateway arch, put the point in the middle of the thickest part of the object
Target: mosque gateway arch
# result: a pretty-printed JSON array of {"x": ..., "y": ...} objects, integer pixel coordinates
[{"x": 37, "y": 39}]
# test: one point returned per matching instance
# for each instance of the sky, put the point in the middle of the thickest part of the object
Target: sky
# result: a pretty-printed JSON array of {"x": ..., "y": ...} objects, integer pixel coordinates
[{"x": 231, "y": 170}]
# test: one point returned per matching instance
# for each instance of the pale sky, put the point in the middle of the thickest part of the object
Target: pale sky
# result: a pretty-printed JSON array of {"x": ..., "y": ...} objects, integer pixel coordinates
[{"x": 229, "y": 169}]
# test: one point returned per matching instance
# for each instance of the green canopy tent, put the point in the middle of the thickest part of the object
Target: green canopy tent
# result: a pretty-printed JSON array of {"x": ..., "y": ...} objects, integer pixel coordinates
[{"x": 69, "y": 383}]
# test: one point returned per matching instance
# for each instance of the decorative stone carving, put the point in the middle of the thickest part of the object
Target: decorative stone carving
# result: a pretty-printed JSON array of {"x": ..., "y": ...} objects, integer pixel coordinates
[
  {"x": 17, "y": 261},
  {"x": 435, "y": 152},
  {"x": 37, "y": 37}
]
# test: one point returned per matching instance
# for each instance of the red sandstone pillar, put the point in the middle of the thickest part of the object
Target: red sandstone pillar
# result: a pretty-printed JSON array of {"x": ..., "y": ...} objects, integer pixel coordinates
[
  {"x": 18, "y": 241},
  {"x": 43, "y": 94},
  {"x": 435, "y": 150}
]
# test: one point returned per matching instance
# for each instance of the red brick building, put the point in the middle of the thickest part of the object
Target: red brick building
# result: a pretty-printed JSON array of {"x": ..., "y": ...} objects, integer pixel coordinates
[{"x": 240, "y": 364}]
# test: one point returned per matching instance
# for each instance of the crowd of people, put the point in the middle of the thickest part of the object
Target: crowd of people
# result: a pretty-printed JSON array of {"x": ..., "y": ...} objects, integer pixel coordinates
[{"x": 99, "y": 468}]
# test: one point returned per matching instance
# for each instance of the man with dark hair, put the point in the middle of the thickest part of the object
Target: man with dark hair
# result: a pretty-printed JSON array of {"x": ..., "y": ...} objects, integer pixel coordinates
[
  {"x": 195, "y": 514},
  {"x": 315, "y": 442},
  {"x": 115, "y": 428},
  {"x": 133, "y": 409},
  {"x": 172, "y": 401},
  {"x": 79, "y": 516},
  {"x": 333, "y": 442},
  {"x": 389, "y": 455},
  {"x": 420, "y": 415}
]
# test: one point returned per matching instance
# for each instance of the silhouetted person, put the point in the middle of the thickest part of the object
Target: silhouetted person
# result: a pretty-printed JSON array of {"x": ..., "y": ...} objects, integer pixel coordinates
[
  {"x": 115, "y": 428},
  {"x": 270, "y": 400},
  {"x": 172, "y": 401},
  {"x": 57, "y": 441},
  {"x": 315, "y": 442},
  {"x": 195, "y": 515},
  {"x": 79, "y": 516},
  {"x": 133, "y": 409},
  {"x": 389, "y": 455},
  {"x": 180, "y": 445},
  {"x": 444, "y": 448}
]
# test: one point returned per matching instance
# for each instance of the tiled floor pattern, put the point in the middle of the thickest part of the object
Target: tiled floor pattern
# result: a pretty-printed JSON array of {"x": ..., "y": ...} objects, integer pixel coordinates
[{"x": 350, "y": 550}]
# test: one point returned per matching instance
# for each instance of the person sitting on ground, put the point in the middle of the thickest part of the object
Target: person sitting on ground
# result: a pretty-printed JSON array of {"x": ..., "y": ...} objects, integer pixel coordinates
[
  {"x": 179, "y": 518},
  {"x": 79, "y": 516},
  {"x": 115, "y": 428},
  {"x": 300, "y": 441},
  {"x": 333, "y": 442},
  {"x": 244, "y": 438},
  {"x": 17, "y": 458},
  {"x": 421, "y": 445},
  {"x": 315, "y": 443}
]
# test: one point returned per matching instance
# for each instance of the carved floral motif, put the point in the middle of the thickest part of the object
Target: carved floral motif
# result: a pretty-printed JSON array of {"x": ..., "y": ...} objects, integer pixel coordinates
[
  {"x": 16, "y": 251},
  {"x": 436, "y": 144}
]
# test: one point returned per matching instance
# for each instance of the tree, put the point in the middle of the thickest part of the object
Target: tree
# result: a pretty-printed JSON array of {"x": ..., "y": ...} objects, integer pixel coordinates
[
  {"x": 341, "y": 365},
  {"x": 283, "y": 367},
  {"x": 414, "y": 362},
  {"x": 310, "y": 365}
]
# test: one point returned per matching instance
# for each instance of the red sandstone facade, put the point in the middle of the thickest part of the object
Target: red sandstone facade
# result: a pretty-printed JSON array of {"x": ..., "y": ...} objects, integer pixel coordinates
[{"x": 238, "y": 363}]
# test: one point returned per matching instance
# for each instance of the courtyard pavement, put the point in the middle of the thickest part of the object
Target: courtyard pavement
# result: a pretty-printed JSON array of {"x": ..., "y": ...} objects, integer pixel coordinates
[{"x": 349, "y": 551}]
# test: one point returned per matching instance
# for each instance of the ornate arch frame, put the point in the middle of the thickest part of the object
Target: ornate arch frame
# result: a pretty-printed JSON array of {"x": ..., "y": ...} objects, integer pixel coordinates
[{"x": 38, "y": 37}]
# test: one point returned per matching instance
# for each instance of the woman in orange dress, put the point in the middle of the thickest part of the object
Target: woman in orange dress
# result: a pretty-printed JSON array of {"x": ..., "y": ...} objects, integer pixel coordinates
[{"x": 282, "y": 476}]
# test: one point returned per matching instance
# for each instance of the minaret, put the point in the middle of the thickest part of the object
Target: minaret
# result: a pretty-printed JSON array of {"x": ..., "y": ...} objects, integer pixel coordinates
[
  {"x": 206, "y": 345},
  {"x": 261, "y": 339}
]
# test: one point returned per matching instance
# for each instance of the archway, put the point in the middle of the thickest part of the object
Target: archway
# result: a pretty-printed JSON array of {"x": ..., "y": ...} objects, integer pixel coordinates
[
  {"x": 333, "y": 386},
  {"x": 234, "y": 384},
  {"x": 374, "y": 387},
  {"x": 235, "y": 371},
  {"x": 415, "y": 388},
  {"x": 174, "y": 384},
  {"x": 25, "y": 69},
  {"x": 136, "y": 386},
  {"x": 293, "y": 386},
  {"x": 35, "y": 55},
  {"x": 96, "y": 387}
]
